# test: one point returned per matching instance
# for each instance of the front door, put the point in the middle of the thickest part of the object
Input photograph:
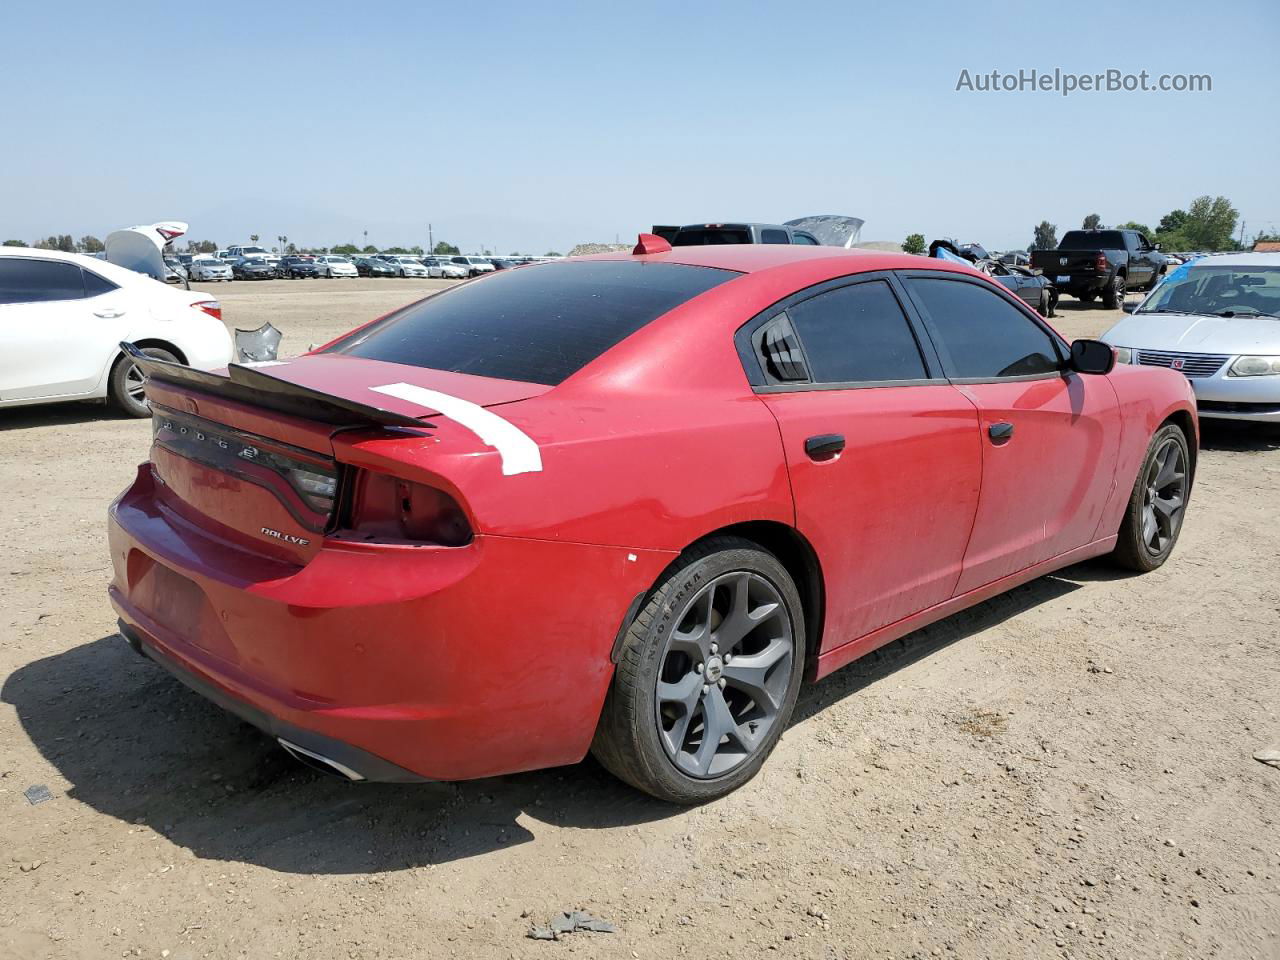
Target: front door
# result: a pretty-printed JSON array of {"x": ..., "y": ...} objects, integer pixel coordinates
[{"x": 1049, "y": 436}]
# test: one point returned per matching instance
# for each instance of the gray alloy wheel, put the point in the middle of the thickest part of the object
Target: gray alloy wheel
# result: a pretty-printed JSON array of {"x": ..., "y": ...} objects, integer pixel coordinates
[
  {"x": 1158, "y": 503},
  {"x": 1165, "y": 496},
  {"x": 707, "y": 675},
  {"x": 724, "y": 674},
  {"x": 1113, "y": 297},
  {"x": 126, "y": 385}
]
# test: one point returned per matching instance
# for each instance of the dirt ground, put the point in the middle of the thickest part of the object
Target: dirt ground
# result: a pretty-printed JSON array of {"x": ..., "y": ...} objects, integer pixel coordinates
[{"x": 1064, "y": 771}]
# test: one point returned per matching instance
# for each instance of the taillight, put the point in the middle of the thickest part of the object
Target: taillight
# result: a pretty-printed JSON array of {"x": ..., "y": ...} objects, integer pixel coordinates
[
  {"x": 1101, "y": 264},
  {"x": 212, "y": 307},
  {"x": 383, "y": 507}
]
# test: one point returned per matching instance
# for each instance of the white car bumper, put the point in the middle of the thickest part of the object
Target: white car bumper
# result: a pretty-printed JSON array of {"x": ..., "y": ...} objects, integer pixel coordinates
[{"x": 1218, "y": 395}]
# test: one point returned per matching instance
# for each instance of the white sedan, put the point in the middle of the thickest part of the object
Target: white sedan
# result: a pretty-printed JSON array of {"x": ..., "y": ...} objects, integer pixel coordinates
[
  {"x": 209, "y": 268},
  {"x": 331, "y": 265},
  {"x": 444, "y": 268},
  {"x": 405, "y": 266},
  {"x": 63, "y": 315}
]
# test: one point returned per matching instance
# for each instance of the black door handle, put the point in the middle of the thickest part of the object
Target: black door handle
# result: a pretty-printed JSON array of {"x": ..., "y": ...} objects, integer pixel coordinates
[
  {"x": 1000, "y": 432},
  {"x": 824, "y": 446}
]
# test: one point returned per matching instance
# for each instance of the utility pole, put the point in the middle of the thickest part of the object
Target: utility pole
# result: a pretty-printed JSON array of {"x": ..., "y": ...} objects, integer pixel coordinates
[
  {"x": 431, "y": 240},
  {"x": 1241, "y": 242}
]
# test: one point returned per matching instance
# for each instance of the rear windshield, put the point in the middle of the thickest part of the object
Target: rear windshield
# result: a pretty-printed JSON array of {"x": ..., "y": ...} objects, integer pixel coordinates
[
  {"x": 538, "y": 324},
  {"x": 1092, "y": 240},
  {"x": 706, "y": 236}
]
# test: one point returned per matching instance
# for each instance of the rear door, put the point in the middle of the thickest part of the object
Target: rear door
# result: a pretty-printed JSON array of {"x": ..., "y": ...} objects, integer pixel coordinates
[
  {"x": 59, "y": 326},
  {"x": 1049, "y": 436},
  {"x": 882, "y": 452}
]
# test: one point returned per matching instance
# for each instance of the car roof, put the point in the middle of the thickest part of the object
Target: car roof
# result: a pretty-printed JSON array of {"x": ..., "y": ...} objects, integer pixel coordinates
[
  {"x": 754, "y": 257},
  {"x": 1239, "y": 260}
]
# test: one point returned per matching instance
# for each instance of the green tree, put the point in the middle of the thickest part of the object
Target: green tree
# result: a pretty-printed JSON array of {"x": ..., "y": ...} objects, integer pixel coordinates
[
  {"x": 1046, "y": 236},
  {"x": 91, "y": 244},
  {"x": 1091, "y": 222},
  {"x": 253, "y": 238},
  {"x": 201, "y": 246},
  {"x": 914, "y": 243},
  {"x": 1172, "y": 221},
  {"x": 14, "y": 243},
  {"x": 552, "y": 253},
  {"x": 291, "y": 249},
  {"x": 442, "y": 249},
  {"x": 370, "y": 248},
  {"x": 345, "y": 249},
  {"x": 416, "y": 250},
  {"x": 1211, "y": 223},
  {"x": 395, "y": 250}
]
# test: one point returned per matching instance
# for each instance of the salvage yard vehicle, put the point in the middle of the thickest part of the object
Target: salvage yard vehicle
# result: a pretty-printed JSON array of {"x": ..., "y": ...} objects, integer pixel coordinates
[
  {"x": 1092, "y": 263},
  {"x": 373, "y": 267},
  {"x": 444, "y": 268},
  {"x": 297, "y": 267},
  {"x": 473, "y": 265},
  {"x": 404, "y": 265},
  {"x": 207, "y": 268},
  {"x": 63, "y": 315},
  {"x": 625, "y": 503},
  {"x": 701, "y": 234},
  {"x": 1028, "y": 285},
  {"x": 331, "y": 265},
  {"x": 252, "y": 268},
  {"x": 1217, "y": 321}
]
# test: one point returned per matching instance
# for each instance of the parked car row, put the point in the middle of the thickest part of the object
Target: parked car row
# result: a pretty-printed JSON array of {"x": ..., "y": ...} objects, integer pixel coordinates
[{"x": 248, "y": 262}]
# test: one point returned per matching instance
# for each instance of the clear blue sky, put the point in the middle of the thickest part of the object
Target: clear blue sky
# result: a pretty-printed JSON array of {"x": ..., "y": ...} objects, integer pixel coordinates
[{"x": 527, "y": 126}]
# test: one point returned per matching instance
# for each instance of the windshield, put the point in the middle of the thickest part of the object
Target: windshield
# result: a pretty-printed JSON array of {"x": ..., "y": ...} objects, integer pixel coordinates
[
  {"x": 1226, "y": 291},
  {"x": 537, "y": 326}
]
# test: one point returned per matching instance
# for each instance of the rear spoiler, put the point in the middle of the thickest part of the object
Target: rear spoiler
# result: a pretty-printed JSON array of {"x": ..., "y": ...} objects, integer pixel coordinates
[{"x": 247, "y": 385}]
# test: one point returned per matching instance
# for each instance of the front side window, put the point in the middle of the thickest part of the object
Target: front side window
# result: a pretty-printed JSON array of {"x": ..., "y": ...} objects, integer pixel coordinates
[
  {"x": 39, "y": 281},
  {"x": 857, "y": 334},
  {"x": 984, "y": 336},
  {"x": 537, "y": 326}
]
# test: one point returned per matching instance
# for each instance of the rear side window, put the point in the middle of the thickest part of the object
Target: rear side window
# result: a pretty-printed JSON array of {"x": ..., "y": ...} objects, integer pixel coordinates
[
  {"x": 857, "y": 334},
  {"x": 37, "y": 281},
  {"x": 539, "y": 325},
  {"x": 774, "y": 236},
  {"x": 95, "y": 285},
  {"x": 1092, "y": 240},
  {"x": 984, "y": 336},
  {"x": 710, "y": 236}
]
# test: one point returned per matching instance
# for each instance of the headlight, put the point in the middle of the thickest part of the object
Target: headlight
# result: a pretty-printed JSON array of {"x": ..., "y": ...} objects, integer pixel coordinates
[
  {"x": 1255, "y": 367},
  {"x": 1124, "y": 354}
]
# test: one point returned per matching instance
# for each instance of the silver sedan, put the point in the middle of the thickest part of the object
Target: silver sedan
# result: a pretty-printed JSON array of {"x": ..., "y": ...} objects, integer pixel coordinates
[{"x": 1217, "y": 320}]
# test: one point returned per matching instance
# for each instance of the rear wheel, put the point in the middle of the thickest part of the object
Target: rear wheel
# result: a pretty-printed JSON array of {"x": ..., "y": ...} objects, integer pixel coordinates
[
  {"x": 125, "y": 385},
  {"x": 1113, "y": 296},
  {"x": 1042, "y": 307},
  {"x": 708, "y": 675},
  {"x": 1153, "y": 518}
]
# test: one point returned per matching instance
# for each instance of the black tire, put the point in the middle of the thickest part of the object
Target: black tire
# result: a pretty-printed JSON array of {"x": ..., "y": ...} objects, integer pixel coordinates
[
  {"x": 124, "y": 384},
  {"x": 1043, "y": 307},
  {"x": 1113, "y": 295},
  {"x": 630, "y": 739},
  {"x": 1136, "y": 548}
]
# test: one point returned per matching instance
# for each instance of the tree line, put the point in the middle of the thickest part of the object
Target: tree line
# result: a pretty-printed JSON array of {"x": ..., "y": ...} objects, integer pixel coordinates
[
  {"x": 91, "y": 244},
  {"x": 1208, "y": 224}
]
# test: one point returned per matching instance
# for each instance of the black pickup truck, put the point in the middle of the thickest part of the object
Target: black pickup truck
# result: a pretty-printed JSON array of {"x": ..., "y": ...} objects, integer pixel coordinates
[{"x": 1092, "y": 263}]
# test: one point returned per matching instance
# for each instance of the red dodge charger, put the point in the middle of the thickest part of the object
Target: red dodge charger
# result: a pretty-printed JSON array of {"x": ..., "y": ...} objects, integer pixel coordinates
[{"x": 625, "y": 504}]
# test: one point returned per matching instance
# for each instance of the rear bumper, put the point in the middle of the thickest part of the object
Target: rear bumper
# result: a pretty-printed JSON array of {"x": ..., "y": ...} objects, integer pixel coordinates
[{"x": 429, "y": 663}]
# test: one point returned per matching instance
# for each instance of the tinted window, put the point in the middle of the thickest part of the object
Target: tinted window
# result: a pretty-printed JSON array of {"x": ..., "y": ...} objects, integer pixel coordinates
[
  {"x": 95, "y": 285},
  {"x": 799, "y": 237},
  {"x": 984, "y": 335},
  {"x": 857, "y": 333},
  {"x": 539, "y": 326},
  {"x": 706, "y": 236},
  {"x": 33, "y": 281},
  {"x": 1092, "y": 240},
  {"x": 774, "y": 236}
]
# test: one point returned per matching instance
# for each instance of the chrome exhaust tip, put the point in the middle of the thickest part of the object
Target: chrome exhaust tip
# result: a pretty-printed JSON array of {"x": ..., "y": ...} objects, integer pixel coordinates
[{"x": 318, "y": 761}]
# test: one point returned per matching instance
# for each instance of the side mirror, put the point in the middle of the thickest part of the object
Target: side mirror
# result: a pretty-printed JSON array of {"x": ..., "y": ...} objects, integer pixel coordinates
[
  {"x": 1131, "y": 306},
  {"x": 1092, "y": 356},
  {"x": 1155, "y": 246}
]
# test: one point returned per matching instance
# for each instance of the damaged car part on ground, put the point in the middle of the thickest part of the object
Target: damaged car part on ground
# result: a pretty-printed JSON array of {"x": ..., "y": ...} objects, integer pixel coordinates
[{"x": 626, "y": 503}]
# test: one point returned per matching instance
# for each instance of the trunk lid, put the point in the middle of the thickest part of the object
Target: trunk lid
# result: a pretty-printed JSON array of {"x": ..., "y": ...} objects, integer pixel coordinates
[{"x": 247, "y": 456}]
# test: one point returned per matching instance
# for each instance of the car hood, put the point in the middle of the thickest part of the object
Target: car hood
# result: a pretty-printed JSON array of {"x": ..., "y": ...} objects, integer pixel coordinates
[{"x": 1196, "y": 334}]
